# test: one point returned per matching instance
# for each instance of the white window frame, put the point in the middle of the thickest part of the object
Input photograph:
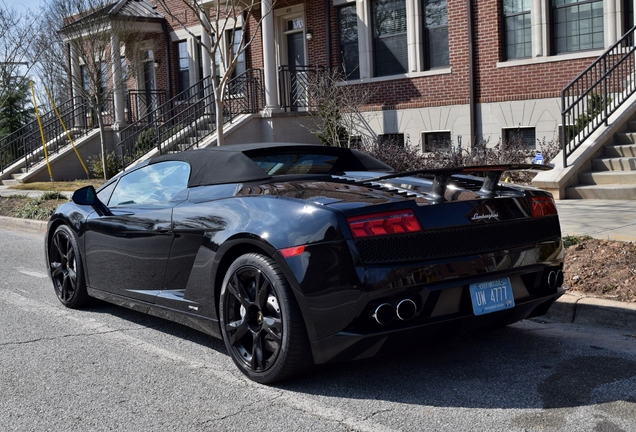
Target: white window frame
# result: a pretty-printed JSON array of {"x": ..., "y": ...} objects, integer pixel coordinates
[
  {"x": 540, "y": 11},
  {"x": 414, "y": 31}
]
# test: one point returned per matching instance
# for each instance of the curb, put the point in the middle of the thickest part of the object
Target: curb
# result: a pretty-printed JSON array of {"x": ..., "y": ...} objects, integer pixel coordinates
[
  {"x": 579, "y": 309},
  {"x": 23, "y": 224}
]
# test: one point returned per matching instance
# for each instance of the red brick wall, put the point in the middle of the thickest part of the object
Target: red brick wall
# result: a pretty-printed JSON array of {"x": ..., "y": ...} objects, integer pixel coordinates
[
  {"x": 492, "y": 84},
  {"x": 533, "y": 81}
]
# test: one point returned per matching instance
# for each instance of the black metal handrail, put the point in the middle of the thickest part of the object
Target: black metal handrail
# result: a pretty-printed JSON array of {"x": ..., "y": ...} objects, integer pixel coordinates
[
  {"x": 294, "y": 83},
  {"x": 26, "y": 143},
  {"x": 593, "y": 96},
  {"x": 185, "y": 120},
  {"x": 141, "y": 102}
]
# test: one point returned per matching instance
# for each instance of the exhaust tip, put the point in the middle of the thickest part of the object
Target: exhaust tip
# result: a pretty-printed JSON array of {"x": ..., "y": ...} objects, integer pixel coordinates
[
  {"x": 406, "y": 309},
  {"x": 559, "y": 278},
  {"x": 552, "y": 279},
  {"x": 384, "y": 314}
]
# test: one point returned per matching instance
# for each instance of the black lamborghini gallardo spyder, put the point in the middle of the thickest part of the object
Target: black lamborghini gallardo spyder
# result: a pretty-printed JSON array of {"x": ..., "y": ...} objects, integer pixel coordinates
[{"x": 300, "y": 254}]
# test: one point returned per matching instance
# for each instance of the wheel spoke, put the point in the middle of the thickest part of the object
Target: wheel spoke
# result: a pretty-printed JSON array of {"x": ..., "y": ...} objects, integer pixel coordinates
[
  {"x": 270, "y": 324},
  {"x": 56, "y": 269},
  {"x": 236, "y": 330},
  {"x": 262, "y": 292},
  {"x": 64, "y": 285},
  {"x": 238, "y": 291},
  {"x": 57, "y": 245},
  {"x": 72, "y": 278},
  {"x": 257, "y": 352}
]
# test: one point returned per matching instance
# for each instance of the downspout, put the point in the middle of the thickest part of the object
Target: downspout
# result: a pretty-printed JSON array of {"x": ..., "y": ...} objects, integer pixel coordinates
[
  {"x": 328, "y": 32},
  {"x": 166, "y": 37},
  {"x": 471, "y": 77}
]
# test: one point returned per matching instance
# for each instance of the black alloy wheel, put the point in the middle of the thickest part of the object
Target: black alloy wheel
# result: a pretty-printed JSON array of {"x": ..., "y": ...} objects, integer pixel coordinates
[
  {"x": 261, "y": 323},
  {"x": 65, "y": 268}
]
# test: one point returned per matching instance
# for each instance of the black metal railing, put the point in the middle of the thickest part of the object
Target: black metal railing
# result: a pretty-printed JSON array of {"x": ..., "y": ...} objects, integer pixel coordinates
[
  {"x": 25, "y": 144},
  {"x": 593, "y": 96},
  {"x": 182, "y": 122},
  {"x": 141, "y": 102},
  {"x": 294, "y": 83}
]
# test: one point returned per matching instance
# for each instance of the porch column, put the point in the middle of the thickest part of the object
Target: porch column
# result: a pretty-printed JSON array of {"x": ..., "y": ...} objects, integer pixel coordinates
[
  {"x": 609, "y": 10},
  {"x": 206, "y": 42},
  {"x": 364, "y": 40},
  {"x": 269, "y": 57},
  {"x": 413, "y": 35},
  {"x": 118, "y": 88},
  {"x": 76, "y": 85}
]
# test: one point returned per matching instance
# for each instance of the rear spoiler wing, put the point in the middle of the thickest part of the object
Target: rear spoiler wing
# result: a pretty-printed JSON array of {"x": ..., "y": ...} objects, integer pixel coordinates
[{"x": 441, "y": 176}]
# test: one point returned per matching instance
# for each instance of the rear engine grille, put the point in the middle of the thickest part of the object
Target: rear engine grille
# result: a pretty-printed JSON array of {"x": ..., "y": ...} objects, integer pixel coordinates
[{"x": 458, "y": 241}]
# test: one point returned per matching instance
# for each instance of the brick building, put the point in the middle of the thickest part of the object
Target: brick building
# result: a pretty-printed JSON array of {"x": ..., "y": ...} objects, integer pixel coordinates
[{"x": 431, "y": 77}]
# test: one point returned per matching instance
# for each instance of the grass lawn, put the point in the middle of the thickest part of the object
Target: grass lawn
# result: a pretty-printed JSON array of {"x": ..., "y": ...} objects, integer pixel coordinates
[{"x": 62, "y": 186}]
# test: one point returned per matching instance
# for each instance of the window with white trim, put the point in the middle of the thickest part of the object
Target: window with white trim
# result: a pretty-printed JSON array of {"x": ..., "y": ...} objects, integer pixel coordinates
[
  {"x": 520, "y": 136},
  {"x": 517, "y": 32},
  {"x": 183, "y": 67},
  {"x": 348, "y": 41},
  {"x": 439, "y": 140},
  {"x": 577, "y": 25},
  {"x": 390, "y": 49},
  {"x": 435, "y": 33}
]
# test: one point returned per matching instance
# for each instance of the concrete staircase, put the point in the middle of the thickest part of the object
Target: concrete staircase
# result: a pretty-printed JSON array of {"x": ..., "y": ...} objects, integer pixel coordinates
[{"x": 612, "y": 174}]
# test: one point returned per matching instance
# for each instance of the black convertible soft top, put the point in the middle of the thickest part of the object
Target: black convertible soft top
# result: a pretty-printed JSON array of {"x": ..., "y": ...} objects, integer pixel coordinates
[{"x": 232, "y": 163}]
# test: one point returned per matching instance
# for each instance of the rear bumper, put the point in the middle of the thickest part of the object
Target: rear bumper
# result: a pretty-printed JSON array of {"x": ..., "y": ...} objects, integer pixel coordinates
[{"x": 345, "y": 346}]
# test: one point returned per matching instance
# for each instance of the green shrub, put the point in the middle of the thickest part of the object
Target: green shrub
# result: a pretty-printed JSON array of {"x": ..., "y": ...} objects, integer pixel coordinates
[
  {"x": 40, "y": 208},
  {"x": 113, "y": 165}
]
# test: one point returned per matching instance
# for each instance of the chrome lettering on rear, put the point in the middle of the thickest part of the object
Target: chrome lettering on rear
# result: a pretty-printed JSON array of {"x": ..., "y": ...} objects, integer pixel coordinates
[{"x": 485, "y": 216}]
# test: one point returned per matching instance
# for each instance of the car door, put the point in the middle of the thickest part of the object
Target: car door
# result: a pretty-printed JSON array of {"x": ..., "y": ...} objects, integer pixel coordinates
[{"x": 127, "y": 251}]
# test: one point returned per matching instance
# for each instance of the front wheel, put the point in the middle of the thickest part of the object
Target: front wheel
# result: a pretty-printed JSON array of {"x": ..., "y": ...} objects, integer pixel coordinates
[
  {"x": 261, "y": 323},
  {"x": 66, "y": 269}
]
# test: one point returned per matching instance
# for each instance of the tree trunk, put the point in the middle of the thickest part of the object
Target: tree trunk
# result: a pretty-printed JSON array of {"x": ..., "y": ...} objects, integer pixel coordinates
[{"x": 102, "y": 139}]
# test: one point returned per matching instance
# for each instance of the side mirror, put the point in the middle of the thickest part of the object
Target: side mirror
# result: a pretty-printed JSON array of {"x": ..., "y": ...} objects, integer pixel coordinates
[
  {"x": 85, "y": 196},
  {"x": 88, "y": 196}
]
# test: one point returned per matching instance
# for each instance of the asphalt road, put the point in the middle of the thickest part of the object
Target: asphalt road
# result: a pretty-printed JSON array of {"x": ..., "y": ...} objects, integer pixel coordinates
[{"x": 108, "y": 368}]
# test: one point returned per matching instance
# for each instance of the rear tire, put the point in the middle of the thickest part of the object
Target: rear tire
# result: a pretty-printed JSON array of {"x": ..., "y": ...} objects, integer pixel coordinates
[
  {"x": 66, "y": 270},
  {"x": 261, "y": 323}
]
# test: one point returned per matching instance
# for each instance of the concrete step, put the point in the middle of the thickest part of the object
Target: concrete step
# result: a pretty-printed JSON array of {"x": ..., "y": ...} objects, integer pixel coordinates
[
  {"x": 617, "y": 151},
  {"x": 625, "y": 138},
  {"x": 614, "y": 164},
  {"x": 608, "y": 178},
  {"x": 612, "y": 192},
  {"x": 9, "y": 182}
]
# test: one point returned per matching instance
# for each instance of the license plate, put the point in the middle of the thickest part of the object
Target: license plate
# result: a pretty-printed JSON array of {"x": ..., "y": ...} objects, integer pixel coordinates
[{"x": 491, "y": 296}]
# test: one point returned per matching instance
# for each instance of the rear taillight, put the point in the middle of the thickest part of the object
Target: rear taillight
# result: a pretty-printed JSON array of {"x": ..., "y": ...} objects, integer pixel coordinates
[
  {"x": 543, "y": 206},
  {"x": 386, "y": 223}
]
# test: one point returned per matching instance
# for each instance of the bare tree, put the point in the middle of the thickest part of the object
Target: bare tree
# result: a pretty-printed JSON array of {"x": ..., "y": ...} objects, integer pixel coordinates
[
  {"x": 52, "y": 68},
  {"x": 336, "y": 107},
  {"x": 218, "y": 19},
  {"x": 88, "y": 30},
  {"x": 17, "y": 50}
]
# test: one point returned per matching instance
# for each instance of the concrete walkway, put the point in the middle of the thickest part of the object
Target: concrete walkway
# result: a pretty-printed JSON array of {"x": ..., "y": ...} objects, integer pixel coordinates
[{"x": 602, "y": 219}]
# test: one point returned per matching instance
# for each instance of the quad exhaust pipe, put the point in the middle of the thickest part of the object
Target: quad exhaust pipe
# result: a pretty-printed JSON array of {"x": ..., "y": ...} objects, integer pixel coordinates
[{"x": 386, "y": 313}]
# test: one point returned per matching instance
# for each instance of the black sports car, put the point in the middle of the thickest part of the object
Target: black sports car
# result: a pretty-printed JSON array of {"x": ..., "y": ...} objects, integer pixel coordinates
[{"x": 300, "y": 254}]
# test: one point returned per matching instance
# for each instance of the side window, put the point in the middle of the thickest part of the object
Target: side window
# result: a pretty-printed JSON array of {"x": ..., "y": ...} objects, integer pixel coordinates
[
  {"x": 104, "y": 194},
  {"x": 161, "y": 182}
]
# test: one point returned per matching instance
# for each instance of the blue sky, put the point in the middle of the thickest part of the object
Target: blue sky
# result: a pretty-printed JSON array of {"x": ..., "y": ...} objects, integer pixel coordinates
[{"x": 30, "y": 4}]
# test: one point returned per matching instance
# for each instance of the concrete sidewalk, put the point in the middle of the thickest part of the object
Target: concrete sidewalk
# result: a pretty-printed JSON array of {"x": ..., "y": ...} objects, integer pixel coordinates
[{"x": 602, "y": 219}]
